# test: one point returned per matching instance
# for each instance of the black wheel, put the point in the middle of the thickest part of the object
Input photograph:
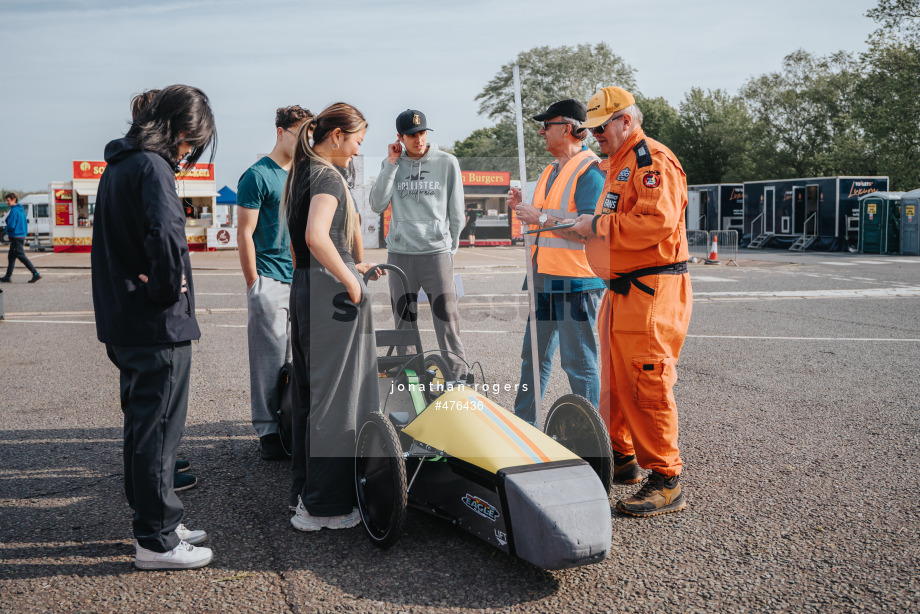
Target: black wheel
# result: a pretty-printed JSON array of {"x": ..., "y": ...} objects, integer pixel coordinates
[
  {"x": 285, "y": 412},
  {"x": 575, "y": 423},
  {"x": 380, "y": 480},
  {"x": 436, "y": 373}
]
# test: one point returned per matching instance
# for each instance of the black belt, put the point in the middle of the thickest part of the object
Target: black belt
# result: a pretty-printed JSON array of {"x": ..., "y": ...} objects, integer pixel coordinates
[{"x": 621, "y": 284}]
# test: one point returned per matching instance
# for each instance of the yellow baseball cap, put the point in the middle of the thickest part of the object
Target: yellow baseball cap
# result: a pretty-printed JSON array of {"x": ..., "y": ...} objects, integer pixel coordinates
[{"x": 605, "y": 103}]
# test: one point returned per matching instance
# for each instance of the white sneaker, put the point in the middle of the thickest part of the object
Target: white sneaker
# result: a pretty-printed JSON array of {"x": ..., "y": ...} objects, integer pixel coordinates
[
  {"x": 343, "y": 522},
  {"x": 183, "y": 556},
  {"x": 192, "y": 537},
  {"x": 303, "y": 521}
]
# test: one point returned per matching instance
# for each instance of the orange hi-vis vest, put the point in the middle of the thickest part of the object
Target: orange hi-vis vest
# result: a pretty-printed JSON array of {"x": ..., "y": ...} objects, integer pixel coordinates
[{"x": 555, "y": 255}]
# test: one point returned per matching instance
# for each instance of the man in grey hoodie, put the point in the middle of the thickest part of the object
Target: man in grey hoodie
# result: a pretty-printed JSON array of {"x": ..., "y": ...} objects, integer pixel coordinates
[{"x": 424, "y": 187}]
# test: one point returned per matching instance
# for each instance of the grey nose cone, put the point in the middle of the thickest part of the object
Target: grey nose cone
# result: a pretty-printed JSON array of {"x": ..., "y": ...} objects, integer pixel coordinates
[{"x": 560, "y": 516}]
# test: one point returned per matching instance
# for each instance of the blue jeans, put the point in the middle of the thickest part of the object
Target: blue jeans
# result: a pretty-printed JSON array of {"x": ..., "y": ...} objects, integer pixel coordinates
[{"x": 564, "y": 321}]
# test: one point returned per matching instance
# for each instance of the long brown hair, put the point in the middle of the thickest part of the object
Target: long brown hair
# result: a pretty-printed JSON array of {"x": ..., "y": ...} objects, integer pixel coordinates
[{"x": 339, "y": 115}]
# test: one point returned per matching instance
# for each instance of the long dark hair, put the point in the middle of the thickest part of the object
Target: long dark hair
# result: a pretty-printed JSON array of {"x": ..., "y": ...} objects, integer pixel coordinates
[
  {"x": 175, "y": 110},
  {"x": 339, "y": 115}
]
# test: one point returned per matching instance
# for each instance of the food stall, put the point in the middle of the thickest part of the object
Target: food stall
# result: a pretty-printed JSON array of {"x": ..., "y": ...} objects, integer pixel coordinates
[{"x": 75, "y": 201}]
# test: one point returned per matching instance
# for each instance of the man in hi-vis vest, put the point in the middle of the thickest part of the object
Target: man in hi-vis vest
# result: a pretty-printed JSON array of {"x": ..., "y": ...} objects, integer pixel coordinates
[
  {"x": 637, "y": 242},
  {"x": 567, "y": 292}
]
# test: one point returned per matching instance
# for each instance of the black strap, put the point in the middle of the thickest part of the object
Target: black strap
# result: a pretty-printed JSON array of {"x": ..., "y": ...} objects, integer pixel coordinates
[
  {"x": 643, "y": 155},
  {"x": 622, "y": 283}
]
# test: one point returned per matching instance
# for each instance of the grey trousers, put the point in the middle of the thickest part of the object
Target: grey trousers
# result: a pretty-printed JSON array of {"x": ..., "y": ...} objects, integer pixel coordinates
[
  {"x": 154, "y": 400},
  {"x": 335, "y": 379},
  {"x": 268, "y": 330},
  {"x": 433, "y": 273}
]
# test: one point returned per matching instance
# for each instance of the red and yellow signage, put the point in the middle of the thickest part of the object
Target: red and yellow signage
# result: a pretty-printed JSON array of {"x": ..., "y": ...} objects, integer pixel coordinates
[
  {"x": 63, "y": 200},
  {"x": 89, "y": 169},
  {"x": 487, "y": 178}
]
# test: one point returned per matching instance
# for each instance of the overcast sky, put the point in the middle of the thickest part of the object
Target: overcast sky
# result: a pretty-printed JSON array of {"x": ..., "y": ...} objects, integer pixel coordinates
[{"x": 70, "y": 67}]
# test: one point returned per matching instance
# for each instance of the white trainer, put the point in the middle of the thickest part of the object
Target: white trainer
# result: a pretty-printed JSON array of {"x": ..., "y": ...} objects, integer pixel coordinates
[
  {"x": 302, "y": 520},
  {"x": 343, "y": 522},
  {"x": 183, "y": 556},
  {"x": 192, "y": 537}
]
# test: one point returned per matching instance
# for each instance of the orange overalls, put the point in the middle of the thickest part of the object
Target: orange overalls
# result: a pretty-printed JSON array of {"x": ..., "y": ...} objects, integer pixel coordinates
[{"x": 643, "y": 320}]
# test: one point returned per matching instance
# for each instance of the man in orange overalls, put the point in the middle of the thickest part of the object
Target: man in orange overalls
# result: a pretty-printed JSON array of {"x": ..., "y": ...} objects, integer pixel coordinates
[{"x": 637, "y": 241}]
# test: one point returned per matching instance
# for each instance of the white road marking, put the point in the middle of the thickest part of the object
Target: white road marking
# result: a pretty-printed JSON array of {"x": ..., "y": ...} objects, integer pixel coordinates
[
  {"x": 50, "y": 321},
  {"x": 801, "y": 338},
  {"x": 908, "y": 291},
  {"x": 707, "y": 279}
]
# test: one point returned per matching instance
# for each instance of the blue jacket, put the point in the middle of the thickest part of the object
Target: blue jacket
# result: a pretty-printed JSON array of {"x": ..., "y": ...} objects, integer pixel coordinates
[
  {"x": 139, "y": 229},
  {"x": 16, "y": 223}
]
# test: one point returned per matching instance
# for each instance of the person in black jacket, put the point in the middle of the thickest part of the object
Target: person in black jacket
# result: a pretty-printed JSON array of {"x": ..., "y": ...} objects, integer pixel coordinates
[{"x": 144, "y": 301}]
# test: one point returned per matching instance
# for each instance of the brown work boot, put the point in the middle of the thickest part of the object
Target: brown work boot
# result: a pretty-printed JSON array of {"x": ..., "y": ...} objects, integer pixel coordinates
[
  {"x": 625, "y": 469},
  {"x": 659, "y": 495}
]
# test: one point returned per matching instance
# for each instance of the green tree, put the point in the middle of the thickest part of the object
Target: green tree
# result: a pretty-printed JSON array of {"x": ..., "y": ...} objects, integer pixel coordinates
[
  {"x": 548, "y": 74},
  {"x": 711, "y": 137},
  {"x": 659, "y": 118},
  {"x": 803, "y": 123},
  {"x": 899, "y": 15},
  {"x": 887, "y": 109}
]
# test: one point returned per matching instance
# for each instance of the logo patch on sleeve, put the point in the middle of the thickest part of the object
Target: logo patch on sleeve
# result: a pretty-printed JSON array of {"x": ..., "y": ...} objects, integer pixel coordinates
[
  {"x": 624, "y": 174},
  {"x": 610, "y": 203},
  {"x": 651, "y": 179}
]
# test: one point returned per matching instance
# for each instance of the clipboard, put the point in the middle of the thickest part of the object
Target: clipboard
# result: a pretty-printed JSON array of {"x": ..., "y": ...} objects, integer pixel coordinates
[{"x": 551, "y": 229}]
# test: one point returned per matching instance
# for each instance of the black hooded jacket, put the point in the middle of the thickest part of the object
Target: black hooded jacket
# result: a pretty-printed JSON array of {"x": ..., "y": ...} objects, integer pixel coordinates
[{"x": 139, "y": 229}]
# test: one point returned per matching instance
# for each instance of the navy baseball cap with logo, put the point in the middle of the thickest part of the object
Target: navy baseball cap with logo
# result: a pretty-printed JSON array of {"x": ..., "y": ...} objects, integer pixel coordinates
[
  {"x": 411, "y": 121},
  {"x": 565, "y": 108}
]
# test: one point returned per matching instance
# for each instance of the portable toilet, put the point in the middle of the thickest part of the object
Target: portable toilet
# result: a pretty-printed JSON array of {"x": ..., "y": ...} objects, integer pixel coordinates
[
  {"x": 910, "y": 223},
  {"x": 879, "y": 223}
]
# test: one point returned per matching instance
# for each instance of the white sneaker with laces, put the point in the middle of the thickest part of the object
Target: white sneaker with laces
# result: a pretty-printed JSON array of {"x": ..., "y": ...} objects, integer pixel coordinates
[
  {"x": 183, "y": 556},
  {"x": 192, "y": 537}
]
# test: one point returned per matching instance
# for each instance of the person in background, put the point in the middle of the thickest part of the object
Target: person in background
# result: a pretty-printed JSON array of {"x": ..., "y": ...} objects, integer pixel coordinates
[
  {"x": 144, "y": 303},
  {"x": 265, "y": 258},
  {"x": 472, "y": 214},
  {"x": 424, "y": 189},
  {"x": 17, "y": 229}
]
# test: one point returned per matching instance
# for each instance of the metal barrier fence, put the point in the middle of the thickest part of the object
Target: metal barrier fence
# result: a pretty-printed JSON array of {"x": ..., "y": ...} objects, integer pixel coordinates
[
  {"x": 698, "y": 242},
  {"x": 728, "y": 245}
]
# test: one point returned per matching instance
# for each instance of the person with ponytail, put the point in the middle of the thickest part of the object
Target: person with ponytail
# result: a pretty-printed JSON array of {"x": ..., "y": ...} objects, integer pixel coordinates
[{"x": 332, "y": 332}]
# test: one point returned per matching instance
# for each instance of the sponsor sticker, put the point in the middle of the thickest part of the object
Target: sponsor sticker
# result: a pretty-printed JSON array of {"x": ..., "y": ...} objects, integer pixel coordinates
[
  {"x": 610, "y": 203},
  {"x": 501, "y": 537},
  {"x": 651, "y": 179},
  {"x": 481, "y": 507},
  {"x": 624, "y": 174}
]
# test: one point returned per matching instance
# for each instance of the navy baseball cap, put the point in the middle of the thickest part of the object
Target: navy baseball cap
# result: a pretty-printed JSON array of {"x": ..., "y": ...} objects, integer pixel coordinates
[
  {"x": 411, "y": 121},
  {"x": 565, "y": 108}
]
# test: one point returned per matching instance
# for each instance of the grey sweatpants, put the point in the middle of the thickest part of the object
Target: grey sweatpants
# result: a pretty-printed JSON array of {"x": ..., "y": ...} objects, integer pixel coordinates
[
  {"x": 269, "y": 348},
  {"x": 433, "y": 273}
]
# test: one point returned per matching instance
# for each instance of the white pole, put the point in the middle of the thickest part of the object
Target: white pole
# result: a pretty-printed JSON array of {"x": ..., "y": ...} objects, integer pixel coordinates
[{"x": 528, "y": 242}]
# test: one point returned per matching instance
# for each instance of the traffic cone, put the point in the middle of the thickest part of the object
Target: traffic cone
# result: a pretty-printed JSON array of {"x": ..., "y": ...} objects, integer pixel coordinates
[{"x": 714, "y": 251}]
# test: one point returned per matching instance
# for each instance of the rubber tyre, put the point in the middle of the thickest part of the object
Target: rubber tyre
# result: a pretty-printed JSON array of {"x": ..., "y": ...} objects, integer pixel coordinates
[
  {"x": 576, "y": 424},
  {"x": 380, "y": 480},
  {"x": 439, "y": 366}
]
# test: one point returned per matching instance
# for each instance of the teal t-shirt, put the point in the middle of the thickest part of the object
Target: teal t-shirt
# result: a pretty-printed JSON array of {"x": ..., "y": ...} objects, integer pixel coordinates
[{"x": 260, "y": 188}]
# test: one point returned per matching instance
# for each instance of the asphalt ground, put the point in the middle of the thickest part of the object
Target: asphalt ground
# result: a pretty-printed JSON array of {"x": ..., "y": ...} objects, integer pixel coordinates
[{"x": 800, "y": 434}]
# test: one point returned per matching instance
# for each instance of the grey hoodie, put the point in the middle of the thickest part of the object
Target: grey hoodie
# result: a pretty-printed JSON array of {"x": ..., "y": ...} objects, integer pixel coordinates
[{"x": 427, "y": 197}]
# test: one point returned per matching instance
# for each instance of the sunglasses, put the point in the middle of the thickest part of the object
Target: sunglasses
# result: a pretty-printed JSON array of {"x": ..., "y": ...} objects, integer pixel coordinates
[
  {"x": 600, "y": 129},
  {"x": 547, "y": 124}
]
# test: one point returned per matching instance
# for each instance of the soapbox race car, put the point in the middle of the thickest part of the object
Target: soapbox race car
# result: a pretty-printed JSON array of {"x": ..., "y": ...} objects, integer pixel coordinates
[{"x": 445, "y": 448}]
